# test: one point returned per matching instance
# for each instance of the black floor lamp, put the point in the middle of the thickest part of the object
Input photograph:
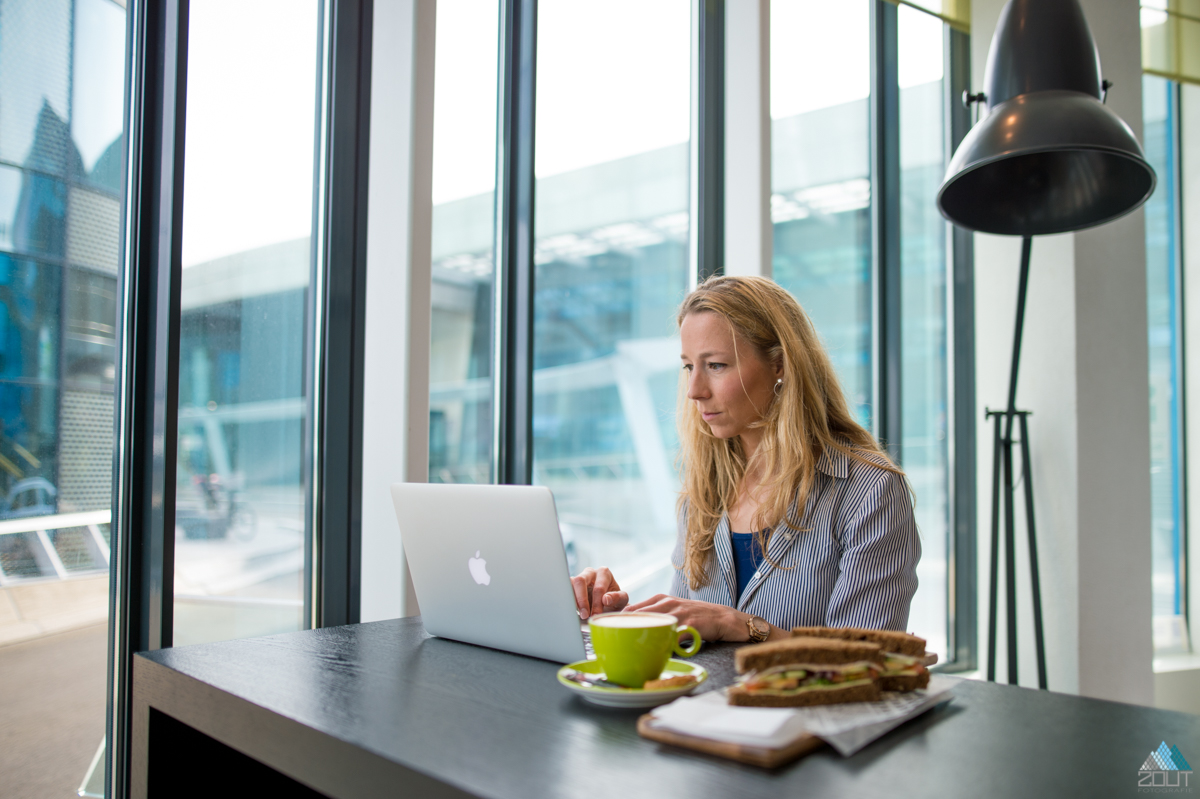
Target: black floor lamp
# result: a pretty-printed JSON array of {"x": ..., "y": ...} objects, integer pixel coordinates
[{"x": 1048, "y": 158}]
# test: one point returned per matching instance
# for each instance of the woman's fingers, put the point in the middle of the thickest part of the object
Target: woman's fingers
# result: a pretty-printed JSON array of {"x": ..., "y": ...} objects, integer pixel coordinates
[
  {"x": 615, "y": 600},
  {"x": 603, "y": 584},
  {"x": 596, "y": 591},
  {"x": 582, "y": 585},
  {"x": 659, "y": 603},
  {"x": 704, "y": 616}
]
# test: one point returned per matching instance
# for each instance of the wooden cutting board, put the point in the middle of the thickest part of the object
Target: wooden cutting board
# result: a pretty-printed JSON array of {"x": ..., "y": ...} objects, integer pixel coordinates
[{"x": 752, "y": 755}]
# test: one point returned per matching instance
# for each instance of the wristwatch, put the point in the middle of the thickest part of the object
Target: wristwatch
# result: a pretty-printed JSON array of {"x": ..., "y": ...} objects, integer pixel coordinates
[{"x": 759, "y": 629}]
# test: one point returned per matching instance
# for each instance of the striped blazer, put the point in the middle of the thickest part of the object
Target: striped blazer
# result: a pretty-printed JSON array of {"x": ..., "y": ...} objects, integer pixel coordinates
[{"x": 854, "y": 565}]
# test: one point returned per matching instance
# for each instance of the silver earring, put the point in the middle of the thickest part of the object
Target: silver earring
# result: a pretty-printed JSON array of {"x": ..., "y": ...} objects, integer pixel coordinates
[{"x": 778, "y": 385}]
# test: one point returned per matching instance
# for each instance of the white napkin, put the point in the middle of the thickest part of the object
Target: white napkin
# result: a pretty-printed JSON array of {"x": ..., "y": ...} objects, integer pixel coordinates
[
  {"x": 708, "y": 716},
  {"x": 846, "y": 727}
]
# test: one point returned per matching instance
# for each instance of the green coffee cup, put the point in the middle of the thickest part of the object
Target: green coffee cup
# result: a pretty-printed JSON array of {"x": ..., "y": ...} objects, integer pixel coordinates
[{"x": 635, "y": 647}]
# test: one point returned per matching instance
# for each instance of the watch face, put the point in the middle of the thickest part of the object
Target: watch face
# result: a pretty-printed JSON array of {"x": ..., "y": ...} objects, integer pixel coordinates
[{"x": 759, "y": 629}]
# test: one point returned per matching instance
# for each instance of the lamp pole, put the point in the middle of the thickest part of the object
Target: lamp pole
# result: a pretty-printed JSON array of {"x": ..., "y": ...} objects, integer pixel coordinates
[{"x": 1003, "y": 460}]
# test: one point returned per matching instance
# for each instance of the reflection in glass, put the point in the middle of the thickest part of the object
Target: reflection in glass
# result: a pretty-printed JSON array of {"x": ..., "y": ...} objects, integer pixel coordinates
[
  {"x": 464, "y": 177},
  {"x": 923, "y": 267},
  {"x": 62, "y": 66},
  {"x": 820, "y": 177},
  {"x": 248, "y": 197},
  {"x": 611, "y": 263},
  {"x": 1160, "y": 117}
]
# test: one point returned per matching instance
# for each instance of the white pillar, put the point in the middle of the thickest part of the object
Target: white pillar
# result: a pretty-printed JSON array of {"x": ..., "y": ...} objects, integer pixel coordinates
[
  {"x": 748, "y": 137},
  {"x": 1084, "y": 374},
  {"x": 398, "y": 308}
]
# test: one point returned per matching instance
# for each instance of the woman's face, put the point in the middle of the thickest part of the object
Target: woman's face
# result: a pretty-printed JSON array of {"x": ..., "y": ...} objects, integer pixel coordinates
[{"x": 728, "y": 401}]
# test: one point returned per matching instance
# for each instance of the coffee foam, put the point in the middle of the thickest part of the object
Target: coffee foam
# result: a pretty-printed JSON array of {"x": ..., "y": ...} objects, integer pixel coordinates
[{"x": 632, "y": 620}]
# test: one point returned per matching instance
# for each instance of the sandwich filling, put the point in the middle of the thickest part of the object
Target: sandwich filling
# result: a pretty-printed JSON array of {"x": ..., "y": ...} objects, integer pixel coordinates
[
  {"x": 797, "y": 677},
  {"x": 896, "y": 665}
]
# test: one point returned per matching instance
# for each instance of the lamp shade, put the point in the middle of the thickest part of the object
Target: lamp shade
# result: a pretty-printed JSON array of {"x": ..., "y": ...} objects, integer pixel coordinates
[{"x": 1049, "y": 157}]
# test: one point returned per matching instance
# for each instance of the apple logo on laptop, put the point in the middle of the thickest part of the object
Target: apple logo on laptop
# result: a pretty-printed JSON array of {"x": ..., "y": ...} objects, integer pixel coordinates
[{"x": 478, "y": 568}]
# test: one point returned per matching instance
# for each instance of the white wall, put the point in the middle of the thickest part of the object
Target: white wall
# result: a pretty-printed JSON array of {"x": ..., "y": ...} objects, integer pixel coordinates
[
  {"x": 396, "y": 370},
  {"x": 1084, "y": 375}
]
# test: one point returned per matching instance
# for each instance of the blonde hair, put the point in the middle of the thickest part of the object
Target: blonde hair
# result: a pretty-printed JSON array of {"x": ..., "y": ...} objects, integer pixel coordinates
[{"x": 808, "y": 416}]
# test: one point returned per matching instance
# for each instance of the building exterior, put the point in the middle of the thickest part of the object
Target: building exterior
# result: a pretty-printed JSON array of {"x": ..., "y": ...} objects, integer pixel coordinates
[{"x": 62, "y": 169}]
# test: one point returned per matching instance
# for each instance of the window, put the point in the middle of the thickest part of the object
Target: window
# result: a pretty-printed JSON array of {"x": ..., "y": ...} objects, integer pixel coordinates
[
  {"x": 821, "y": 177},
  {"x": 611, "y": 222},
  {"x": 924, "y": 235},
  {"x": 821, "y": 208},
  {"x": 62, "y": 170},
  {"x": 464, "y": 181},
  {"x": 611, "y": 266},
  {"x": 247, "y": 261},
  {"x": 1170, "y": 145}
]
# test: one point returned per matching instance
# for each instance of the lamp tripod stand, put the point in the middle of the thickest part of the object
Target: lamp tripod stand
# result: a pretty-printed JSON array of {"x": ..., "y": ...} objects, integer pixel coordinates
[
  {"x": 1049, "y": 157},
  {"x": 1002, "y": 461}
]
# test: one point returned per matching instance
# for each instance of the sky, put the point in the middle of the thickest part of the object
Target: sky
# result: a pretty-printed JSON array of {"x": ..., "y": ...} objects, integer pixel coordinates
[
  {"x": 251, "y": 103},
  {"x": 98, "y": 78},
  {"x": 607, "y": 88}
]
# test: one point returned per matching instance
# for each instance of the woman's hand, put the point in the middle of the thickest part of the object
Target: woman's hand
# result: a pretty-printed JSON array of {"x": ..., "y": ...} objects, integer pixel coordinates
[
  {"x": 713, "y": 622},
  {"x": 596, "y": 591}
]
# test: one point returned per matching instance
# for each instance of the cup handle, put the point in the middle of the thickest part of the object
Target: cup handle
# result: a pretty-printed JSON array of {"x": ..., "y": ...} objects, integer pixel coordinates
[{"x": 694, "y": 648}]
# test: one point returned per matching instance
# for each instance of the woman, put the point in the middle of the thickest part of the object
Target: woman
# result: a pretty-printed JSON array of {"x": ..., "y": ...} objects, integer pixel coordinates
[{"x": 790, "y": 514}]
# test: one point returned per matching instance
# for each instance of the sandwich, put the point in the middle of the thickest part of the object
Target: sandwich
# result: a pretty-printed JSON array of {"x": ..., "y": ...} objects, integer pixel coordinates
[
  {"x": 903, "y": 654},
  {"x": 806, "y": 671}
]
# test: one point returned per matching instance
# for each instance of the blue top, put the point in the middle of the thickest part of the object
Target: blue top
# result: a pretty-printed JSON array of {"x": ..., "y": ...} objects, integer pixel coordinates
[{"x": 746, "y": 557}]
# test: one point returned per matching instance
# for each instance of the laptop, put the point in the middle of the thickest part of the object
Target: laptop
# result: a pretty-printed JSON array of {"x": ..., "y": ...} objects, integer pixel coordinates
[{"x": 489, "y": 568}]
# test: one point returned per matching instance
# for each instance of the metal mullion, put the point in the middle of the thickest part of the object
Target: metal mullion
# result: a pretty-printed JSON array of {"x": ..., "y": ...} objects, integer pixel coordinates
[
  {"x": 315, "y": 328},
  {"x": 1180, "y": 332},
  {"x": 708, "y": 213},
  {"x": 885, "y": 225},
  {"x": 963, "y": 590},
  {"x": 512, "y": 411},
  {"x": 341, "y": 275},
  {"x": 147, "y": 343}
]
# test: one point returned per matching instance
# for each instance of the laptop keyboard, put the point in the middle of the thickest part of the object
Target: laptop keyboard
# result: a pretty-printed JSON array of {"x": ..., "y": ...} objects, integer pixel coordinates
[{"x": 587, "y": 641}]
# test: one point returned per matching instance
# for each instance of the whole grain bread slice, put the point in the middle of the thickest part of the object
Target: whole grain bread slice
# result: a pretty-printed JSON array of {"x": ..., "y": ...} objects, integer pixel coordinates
[
  {"x": 817, "y": 651},
  {"x": 889, "y": 640},
  {"x": 862, "y": 692}
]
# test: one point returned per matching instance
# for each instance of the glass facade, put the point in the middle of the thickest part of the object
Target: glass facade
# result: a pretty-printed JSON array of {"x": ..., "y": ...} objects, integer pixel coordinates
[
  {"x": 62, "y": 148},
  {"x": 61, "y": 173},
  {"x": 1161, "y": 121},
  {"x": 247, "y": 262}
]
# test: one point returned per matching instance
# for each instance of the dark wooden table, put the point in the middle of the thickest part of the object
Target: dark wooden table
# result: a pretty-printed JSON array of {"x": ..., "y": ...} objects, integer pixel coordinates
[{"x": 383, "y": 709}]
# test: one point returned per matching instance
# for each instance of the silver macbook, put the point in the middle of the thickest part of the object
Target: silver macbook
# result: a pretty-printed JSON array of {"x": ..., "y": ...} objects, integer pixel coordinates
[{"x": 488, "y": 567}]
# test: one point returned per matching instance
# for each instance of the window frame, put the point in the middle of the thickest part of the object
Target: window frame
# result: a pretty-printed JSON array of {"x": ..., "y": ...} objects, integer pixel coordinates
[{"x": 148, "y": 333}]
